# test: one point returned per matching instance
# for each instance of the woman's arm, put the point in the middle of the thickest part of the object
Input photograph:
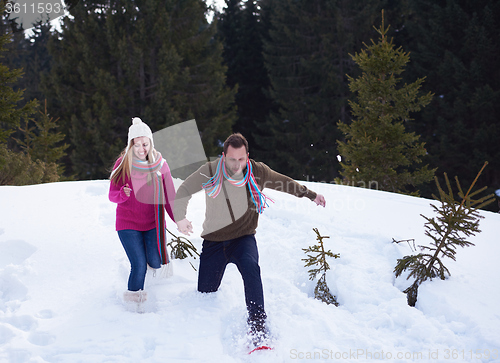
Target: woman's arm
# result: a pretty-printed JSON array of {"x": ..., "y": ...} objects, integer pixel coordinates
[
  {"x": 169, "y": 189},
  {"x": 117, "y": 192}
]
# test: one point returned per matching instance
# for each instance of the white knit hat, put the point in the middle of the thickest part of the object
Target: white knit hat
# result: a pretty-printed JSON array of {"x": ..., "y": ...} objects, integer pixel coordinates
[{"x": 139, "y": 129}]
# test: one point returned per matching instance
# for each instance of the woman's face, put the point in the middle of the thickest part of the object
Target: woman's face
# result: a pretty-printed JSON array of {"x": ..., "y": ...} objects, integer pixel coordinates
[{"x": 141, "y": 147}]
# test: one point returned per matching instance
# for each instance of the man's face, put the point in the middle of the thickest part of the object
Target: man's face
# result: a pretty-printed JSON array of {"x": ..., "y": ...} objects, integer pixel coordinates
[{"x": 236, "y": 160}]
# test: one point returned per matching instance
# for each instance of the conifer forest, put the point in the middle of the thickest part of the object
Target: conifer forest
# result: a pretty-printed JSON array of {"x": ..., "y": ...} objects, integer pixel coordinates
[{"x": 382, "y": 93}]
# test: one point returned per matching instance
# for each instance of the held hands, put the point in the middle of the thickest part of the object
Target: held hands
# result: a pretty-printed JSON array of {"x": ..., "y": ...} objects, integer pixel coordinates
[
  {"x": 320, "y": 200},
  {"x": 184, "y": 226}
]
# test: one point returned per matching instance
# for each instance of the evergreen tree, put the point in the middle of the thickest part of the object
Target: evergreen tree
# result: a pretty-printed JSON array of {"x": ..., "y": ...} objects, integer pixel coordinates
[
  {"x": 306, "y": 54},
  {"x": 240, "y": 28},
  {"x": 41, "y": 141},
  {"x": 15, "y": 168},
  {"x": 18, "y": 168},
  {"x": 378, "y": 149},
  {"x": 154, "y": 59},
  {"x": 455, "y": 44},
  {"x": 31, "y": 54},
  {"x": 321, "y": 291},
  {"x": 456, "y": 221},
  {"x": 229, "y": 28},
  {"x": 10, "y": 113}
]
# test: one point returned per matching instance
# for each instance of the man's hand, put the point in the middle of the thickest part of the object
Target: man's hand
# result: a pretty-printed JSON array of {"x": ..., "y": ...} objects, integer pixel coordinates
[
  {"x": 185, "y": 227},
  {"x": 320, "y": 200}
]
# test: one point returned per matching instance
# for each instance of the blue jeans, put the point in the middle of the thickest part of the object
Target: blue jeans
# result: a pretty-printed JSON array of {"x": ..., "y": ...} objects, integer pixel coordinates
[
  {"x": 141, "y": 248},
  {"x": 243, "y": 253}
]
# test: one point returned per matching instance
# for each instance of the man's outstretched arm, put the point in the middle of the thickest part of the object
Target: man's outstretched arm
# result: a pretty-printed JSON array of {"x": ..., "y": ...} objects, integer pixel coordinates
[{"x": 280, "y": 182}]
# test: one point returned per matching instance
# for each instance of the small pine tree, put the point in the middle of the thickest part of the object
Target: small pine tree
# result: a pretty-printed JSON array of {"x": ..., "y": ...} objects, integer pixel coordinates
[
  {"x": 180, "y": 247},
  {"x": 321, "y": 292},
  {"x": 40, "y": 142},
  {"x": 45, "y": 142},
  {"x": 455, "y": 222},
  {"x": 378, "y": 148}
]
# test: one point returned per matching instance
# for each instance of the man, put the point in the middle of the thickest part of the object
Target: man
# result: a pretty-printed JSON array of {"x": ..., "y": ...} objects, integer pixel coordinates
[{"x": 233, "y": 184}]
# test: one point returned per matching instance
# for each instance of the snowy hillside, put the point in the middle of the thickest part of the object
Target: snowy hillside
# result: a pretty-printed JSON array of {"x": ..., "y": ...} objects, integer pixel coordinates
[{"x": 63, "y": 272}]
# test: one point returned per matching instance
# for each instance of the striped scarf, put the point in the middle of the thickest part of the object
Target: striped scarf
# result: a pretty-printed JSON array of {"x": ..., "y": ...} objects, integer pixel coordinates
[
  {"x": 153, "y": 174},
  {"x": 214, "y": 185}
]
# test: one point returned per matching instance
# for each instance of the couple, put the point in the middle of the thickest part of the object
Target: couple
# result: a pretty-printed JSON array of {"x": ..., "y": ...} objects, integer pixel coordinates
[{"x": 142, "y": 187}]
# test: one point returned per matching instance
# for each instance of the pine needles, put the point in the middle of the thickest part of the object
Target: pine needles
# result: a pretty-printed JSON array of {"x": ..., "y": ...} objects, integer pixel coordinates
[
  {"x": 321, "y": 292},
  {"x": 180, "y": 247},
  {"x": 454, "y": 224}
]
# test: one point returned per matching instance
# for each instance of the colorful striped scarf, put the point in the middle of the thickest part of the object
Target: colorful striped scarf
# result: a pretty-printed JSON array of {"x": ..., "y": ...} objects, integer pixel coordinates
[
  {"x": 153, "y": 175},
  {"x": 214, "y": 185}
]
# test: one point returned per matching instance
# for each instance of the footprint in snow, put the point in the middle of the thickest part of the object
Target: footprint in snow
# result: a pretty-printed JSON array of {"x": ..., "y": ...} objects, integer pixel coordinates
[{"x": 15, "y": 252}]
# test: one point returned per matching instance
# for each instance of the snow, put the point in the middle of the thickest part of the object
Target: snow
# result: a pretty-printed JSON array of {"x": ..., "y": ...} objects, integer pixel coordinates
[{"x": 63, "y": 272}]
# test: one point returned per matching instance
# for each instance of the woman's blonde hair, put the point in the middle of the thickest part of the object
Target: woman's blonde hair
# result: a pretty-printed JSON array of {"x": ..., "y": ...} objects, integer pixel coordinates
[{"x": 123, "y": 171}]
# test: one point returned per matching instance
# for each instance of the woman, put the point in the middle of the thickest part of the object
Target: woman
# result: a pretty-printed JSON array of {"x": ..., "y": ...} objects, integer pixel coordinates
[{"x": 142, "y": 187}]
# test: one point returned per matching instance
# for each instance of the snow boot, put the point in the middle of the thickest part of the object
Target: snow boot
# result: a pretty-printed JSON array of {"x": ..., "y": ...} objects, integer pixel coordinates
[
  {"x": 135, "y": 300},
  {"x": 258, "y": 335}
]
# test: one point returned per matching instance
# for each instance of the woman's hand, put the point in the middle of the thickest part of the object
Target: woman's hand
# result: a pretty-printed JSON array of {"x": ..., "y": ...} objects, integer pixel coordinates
[
  {"x": 185, "y": 227},
  {"x": 127, "y": 190}
]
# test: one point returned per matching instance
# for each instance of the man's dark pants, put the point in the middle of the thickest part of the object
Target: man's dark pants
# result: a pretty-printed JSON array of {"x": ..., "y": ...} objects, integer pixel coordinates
[{"x": 241, "y": 251}]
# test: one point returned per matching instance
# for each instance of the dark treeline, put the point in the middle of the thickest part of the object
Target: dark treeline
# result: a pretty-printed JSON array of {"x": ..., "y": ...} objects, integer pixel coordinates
[
  {"x": 275, "y": 70},
  {"x": 307, "y": 48},
  {"x": 115, "y": 60}
]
